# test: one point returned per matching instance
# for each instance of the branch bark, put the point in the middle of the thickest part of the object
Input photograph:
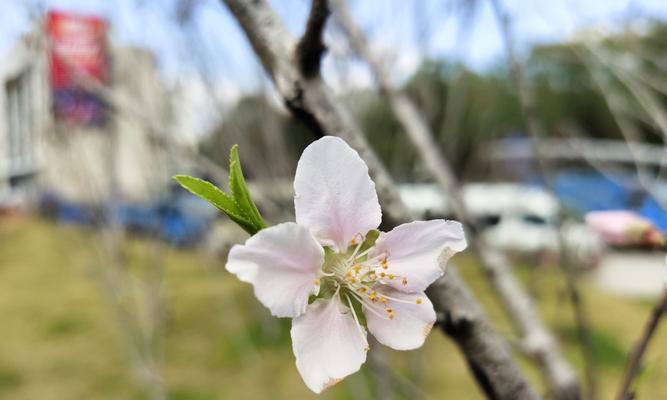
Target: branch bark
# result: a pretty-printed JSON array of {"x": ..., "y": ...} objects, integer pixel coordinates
[
  {"x": 311, "y": 47},
  {"x": 309, "y": 96},
  {"x": 537, "y": 340}
]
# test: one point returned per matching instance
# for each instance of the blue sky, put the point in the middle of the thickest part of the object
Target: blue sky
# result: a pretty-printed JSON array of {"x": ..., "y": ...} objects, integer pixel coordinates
[{"x": 214, "y": 41}]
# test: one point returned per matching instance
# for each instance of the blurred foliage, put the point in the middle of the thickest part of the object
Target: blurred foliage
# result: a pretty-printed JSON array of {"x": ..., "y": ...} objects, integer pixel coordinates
[{"x": 465, "y": 109}]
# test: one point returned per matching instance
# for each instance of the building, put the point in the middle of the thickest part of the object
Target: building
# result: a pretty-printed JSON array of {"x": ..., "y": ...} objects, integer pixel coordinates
[{"x": 127, "y": 159}]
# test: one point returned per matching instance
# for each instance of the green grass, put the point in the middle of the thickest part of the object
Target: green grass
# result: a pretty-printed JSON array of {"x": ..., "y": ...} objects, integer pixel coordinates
[{"x": 61, "y": 339}]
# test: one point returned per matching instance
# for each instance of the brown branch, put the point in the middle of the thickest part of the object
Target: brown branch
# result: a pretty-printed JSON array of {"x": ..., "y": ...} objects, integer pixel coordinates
[
  {"x": 634, "y": 360},
  {"x": 537, "y": 340},
  {"x": 274, "y": 46},
  {"x": 311, "y": 48},
  {"x": 464, "y": 321},
  {"x": 545, "y": 169}
]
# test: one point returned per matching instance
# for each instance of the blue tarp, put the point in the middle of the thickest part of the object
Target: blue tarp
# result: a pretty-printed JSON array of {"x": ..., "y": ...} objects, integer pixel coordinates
[{"x": 584, "y": 191}]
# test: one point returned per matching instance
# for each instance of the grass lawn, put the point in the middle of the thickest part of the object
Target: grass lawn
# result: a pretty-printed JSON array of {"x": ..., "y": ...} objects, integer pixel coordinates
[{"x": 61, "y": 338}]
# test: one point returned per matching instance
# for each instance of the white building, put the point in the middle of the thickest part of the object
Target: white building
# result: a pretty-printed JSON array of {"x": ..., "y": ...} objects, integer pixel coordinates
[{"x": 128, "y": 158}]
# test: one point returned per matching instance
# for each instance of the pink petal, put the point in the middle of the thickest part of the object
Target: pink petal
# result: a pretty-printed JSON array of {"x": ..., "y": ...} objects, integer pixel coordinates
[
  {"x": 335, "y": 197},
  {"x": 411, "y": 323},
  {"x": 282, "y": 263},
  {"x": 413, "y": 250},
  {"x": 328, "y": 344}
]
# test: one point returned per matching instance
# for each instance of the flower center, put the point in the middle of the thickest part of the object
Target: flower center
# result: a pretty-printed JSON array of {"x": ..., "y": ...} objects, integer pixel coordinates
[{"x": 353, "y": 274}]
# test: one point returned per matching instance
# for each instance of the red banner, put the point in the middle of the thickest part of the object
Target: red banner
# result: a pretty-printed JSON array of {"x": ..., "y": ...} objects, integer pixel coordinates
[{"x": 77, "y": 53}]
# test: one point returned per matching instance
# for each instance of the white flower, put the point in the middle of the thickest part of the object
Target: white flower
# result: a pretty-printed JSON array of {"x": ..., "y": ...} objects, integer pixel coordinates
[{"x": 322, "y": 254}]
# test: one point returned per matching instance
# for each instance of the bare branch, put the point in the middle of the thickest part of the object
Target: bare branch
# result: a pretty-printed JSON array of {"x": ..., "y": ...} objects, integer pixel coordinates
[
  {"x": 311, "y": 47},
  {"x": 634, "y": 360},
  {"x": 464, "y": 321},
  {"x": 519, "y": 306},
  {"x": 274, "y": 46},
  {"x": 544, "y": 168}
]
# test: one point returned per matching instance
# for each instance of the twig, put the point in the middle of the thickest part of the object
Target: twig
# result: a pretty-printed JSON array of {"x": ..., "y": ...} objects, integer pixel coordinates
[
  {"x": 274, "y": 46},
  {"x": 536, "y": 131},
  {"x": 635, "y": 357},
  {"x": 311, "y": 47},
  {"x": 465, "y": 322},
  {"x": 518, "y": 304}
]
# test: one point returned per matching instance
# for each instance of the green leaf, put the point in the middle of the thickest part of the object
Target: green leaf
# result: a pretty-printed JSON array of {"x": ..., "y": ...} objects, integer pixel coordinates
[
  {"x": 221, "y": 200},
  {"x": 240, "y": 191}
]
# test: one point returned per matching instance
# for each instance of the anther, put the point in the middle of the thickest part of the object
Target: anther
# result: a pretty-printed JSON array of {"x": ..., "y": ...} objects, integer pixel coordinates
[
  {"x": 392, "y": 276},
  {"x": 404, "y": 281},
  {"x": 418, "y": 301},
  {"x": 383, "y": 299},
  {"x": 317, "y": 282}
]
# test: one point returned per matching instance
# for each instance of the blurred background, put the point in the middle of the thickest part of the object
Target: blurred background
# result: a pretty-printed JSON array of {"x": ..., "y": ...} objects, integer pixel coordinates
[{"x": 112, "y": 280}]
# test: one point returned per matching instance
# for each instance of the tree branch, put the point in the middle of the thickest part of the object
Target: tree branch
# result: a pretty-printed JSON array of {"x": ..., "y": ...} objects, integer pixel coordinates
[
  {"x": 538, "y": 341},
  {"x": 634, "y": 360},
  {"x": 275, "y": 47},
  {"x": 545, "y": 169},
  {"x": 311, "y": 48},
  {"x": 463, "y": 321}
]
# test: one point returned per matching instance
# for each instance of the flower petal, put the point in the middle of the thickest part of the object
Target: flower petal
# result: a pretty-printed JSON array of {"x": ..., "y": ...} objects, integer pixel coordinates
[
  {"x": 413, "y": 251},
  {"x": 282, "y": 263},
  {"x": 335, "y": 197},
  {"x": 328, "y": 344},
  {"x": 413, "y": 318}
]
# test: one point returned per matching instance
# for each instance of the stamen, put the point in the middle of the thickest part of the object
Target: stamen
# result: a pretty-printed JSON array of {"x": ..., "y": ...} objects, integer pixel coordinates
[
  {"x": 358, "y": 244},
  {"x": 404, "y": 281},
  {"x": 317, "y": 282},
  {"x": 369, "y": 306},
  {"x": 417, "y": 300},
  {"x": 354, "y": 314}
]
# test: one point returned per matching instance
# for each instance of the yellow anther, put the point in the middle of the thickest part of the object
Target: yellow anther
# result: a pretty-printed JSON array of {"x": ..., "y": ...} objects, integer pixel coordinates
[
  {"x": 317, "y": 282},
  {"x": 353, "y": 241},
  {"x": 418, "y": 301},
  {"x": 404, "y": 281},
  {"x": 382, "y": 274},
  {"x": 383, "y": 299},
  {"x": 357, "y": 268},
  {"x": 389, "y": 310},
  {"x": 391, "y": 316},
  {"x": 361, "y": 290},
  {"x": 392, "y": 276}
]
